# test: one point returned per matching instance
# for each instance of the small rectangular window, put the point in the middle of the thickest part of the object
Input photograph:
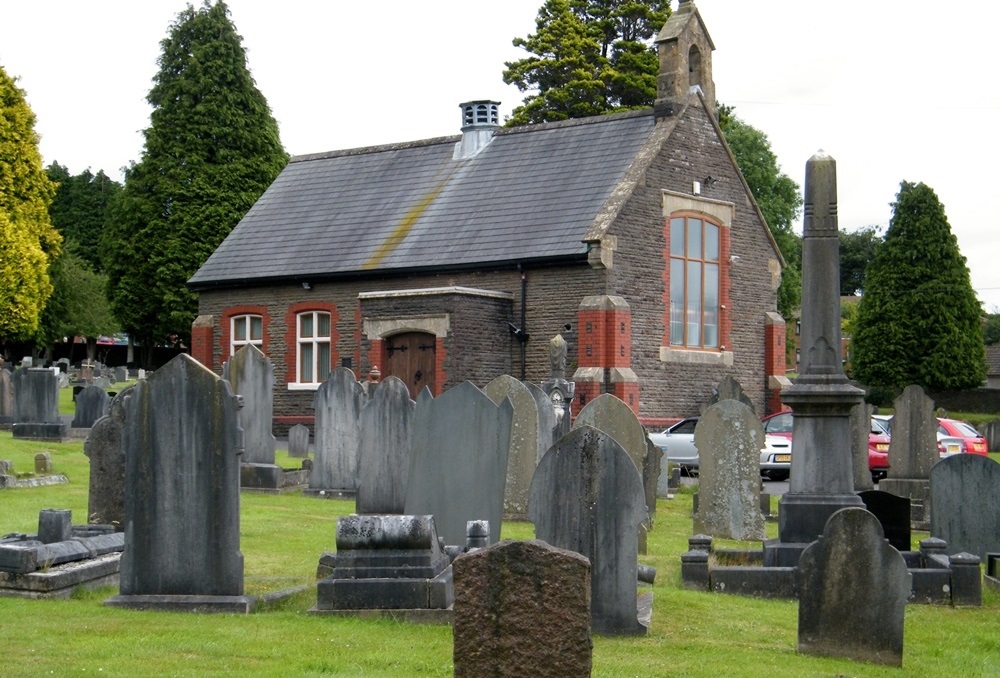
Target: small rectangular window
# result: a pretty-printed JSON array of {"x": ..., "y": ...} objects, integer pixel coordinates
[
  {"x": 246, "y": 329},
  {"x": 314, "y": 349}
]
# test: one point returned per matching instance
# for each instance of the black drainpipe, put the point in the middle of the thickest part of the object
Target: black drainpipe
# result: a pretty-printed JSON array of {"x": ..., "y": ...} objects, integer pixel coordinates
[{"x": 524, "y": 328}]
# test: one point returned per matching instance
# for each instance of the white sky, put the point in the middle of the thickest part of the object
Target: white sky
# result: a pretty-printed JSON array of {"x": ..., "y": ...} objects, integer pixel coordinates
[{"x": 880, "y": 85}]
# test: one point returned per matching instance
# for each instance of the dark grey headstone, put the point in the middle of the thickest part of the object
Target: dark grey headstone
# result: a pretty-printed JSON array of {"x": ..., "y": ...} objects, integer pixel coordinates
[
  {"x": 965, "y": 493},
  {"x": 549, "y": 430},
  {"x": 587, "y": 497},
  {"x": 913, "y": 447},
  {"x": 54, "y": 525},
  {"x": 36, "y": 396},
  {"x": 522, "y": 608},
  {"x": 92, "y": 403},
  {"x": 182, "y": 478},
  {"x": 106, "y": 499},
  {"x": 861, "y": 426},
  {"x": 298, "y": 441},
  {"x": 853, "y": 588},
  {"x": 728, "y": 389},
  {"x": 893, "y": 514},
  {"x": 251, "y": 375},
  {"x": 338, "y": 403},
  {"x": 458, "y": 465},
  {"x": 386, "y": 438},
  {"x": 729, "y": 437},
  {"x": 523, "y": 443},
  {"x": 121, "y": 373},
  {"x": 6, "y": 398}
]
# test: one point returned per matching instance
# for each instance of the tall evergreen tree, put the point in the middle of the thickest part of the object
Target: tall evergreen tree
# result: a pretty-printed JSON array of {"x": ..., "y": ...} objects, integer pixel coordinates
[
  {"x": 211, "y": 149},
  {"x": 80, "y": 209},
  {"x": 857, "y": 249},
  {"x": 27, "y": 240},
  {"x": 919, "y": 321}
]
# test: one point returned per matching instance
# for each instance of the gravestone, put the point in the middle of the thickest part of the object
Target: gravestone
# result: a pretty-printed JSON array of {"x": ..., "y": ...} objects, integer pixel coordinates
[
  {"x": 182, "y": 498},
  {"x": 557, "y": 388},
  {"x": 338, "y": 403},
  {"x": 522, "y": 608},
  {"x": 965, "y": 493},
  {"x": 121, "y": 373},
  {"x": 912, "y": 453},
  {"x": 729, "y": 437},
  {"x": 6, "y": 398},
  {"x": 43, "y": 464},
  {"x": 861, "y": 426},
  {"x": 458, "y": 463},
  {"x": 386, "y": 424},
  {"x": 103, "y": 446},
  {"x": 298, "y": 441},
  {"x": 728, "y": 389},
  {"x": 251, "y": 375},
  {"x": 853, "y": 588},
  {"x": 36, "y": 405},
  {"x": 549, "y": 422},
  {"x": 385, "y": 563},
  {"x": 92, "y": 403},
  {"x": 893, "y": 514},
  {"x": 611, "y": 415},
  {"x": 523, "y": 456},
  {"x": 587, "y": 497}
]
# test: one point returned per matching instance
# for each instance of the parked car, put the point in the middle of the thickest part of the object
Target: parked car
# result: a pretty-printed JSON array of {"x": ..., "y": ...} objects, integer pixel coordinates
[
  {"x": 947, "y": 444},
  {"x": 677, "y": 443},
  {"x": 975, "y": 443},
  {"x": 781, "y": 424}
]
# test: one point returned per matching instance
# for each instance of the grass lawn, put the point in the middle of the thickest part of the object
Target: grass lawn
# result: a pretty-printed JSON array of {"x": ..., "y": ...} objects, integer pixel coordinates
[{"x": 693, "y": 633}]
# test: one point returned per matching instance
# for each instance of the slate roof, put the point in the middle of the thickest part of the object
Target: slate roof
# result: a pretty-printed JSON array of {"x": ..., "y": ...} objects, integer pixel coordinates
[{"x": 531, "y": 194}]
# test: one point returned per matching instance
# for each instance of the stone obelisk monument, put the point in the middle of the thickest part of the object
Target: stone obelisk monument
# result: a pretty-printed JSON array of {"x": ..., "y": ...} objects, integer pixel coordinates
[{"x": 822, "y": 479}]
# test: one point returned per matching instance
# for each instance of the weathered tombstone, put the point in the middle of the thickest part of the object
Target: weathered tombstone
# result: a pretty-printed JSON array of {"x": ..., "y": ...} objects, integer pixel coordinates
[
  {"x": 43, "y": 464},
  {"x": 182, "y": 499},
  {"x": 338, "y": 403},
  {"x": 523, "y": 456},
  {"x": 965, "y": 493},
  {"x": 298, "y": 441},
  {"x": 458, "y": 464},
  {"x": 853, "y": 588},
  {"x": 861, "y": 426},
  {"x": 893, "y": 514},
  {"x": 522, "y": 608},
  {"x": 251, "y": 375},
  {"x": 6, "y": 398},
  {"x": 141, "y": 374},
  {"x": 62, "y": 380},
  {"x": 386, "y": 437},
  {"x": 101, "y": 381},
  {"x": 103, "y": 446},
  {"x": 587, "y": 497},
  {"x": 548, "y": 421},
  {"x": 729, "y": 437},
  {"x": 557, "y": 388},
  {"x": 121, "y": 373},
  {"x": 728, "y": 389},
  {"x": 912, "y": 453},
  {"x": 611, "y": 415},
  {"x": 36, "y": 405},
  {"x": 92, "y": 403},
  {"x": 55, "y": 525},
  {"x": 385, "y": 563}
]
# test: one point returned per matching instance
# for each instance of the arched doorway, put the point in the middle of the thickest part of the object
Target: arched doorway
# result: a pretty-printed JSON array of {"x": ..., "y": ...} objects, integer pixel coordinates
[{"x": 410, "y": 357}]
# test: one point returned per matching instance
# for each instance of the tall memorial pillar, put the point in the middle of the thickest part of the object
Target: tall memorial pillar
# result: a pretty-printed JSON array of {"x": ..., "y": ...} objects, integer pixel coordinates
[{"x": 822, "y": 478}]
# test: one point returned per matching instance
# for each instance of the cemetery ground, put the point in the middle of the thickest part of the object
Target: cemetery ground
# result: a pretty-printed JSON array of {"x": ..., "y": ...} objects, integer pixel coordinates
[{"x": 282, "y": 537}]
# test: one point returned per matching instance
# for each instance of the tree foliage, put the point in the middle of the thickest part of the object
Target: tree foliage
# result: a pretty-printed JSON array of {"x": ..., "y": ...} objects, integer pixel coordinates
[
  {"x": 776, "y": 194},
  {"x": 27, "y": 239},
  {"x": 78, "y": 305},
  {"x": 211, "y": 149},
  {"x": 588, "y": 57},
  {"x": 991, "y": 328},
  {"x": 857, "y": 250},
  {"x": 80, "y": 208},
  {"x": 919, "y": 321}
]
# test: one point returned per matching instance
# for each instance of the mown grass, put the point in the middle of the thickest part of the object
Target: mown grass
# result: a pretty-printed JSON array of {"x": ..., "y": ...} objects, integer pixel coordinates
[{"x": 693, "y": 633}]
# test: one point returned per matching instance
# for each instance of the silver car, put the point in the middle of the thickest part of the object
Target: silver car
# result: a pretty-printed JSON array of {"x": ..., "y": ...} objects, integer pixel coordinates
[{"x": 677, "y": 443}]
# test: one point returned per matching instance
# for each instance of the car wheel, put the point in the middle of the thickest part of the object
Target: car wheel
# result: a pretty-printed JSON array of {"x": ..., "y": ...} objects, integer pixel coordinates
[{"x": 776, "y": 475}]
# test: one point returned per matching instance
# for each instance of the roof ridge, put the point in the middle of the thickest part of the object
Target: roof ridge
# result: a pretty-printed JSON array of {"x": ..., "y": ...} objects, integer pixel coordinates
[
  {"x": 363, "y": 150},
  {"x": 575, "y": 122}
]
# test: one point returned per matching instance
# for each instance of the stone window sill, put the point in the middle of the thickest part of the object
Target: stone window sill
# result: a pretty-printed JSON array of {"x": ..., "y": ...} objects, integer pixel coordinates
[{"x": 688, "y": 357}]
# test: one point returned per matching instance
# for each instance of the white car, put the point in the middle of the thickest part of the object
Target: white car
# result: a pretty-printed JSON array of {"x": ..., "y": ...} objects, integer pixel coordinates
[{"x": 677, "y": 443}]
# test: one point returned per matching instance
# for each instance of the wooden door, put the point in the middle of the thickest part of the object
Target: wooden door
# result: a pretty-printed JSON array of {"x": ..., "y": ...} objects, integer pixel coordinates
[{"x": 410, "y": 357}]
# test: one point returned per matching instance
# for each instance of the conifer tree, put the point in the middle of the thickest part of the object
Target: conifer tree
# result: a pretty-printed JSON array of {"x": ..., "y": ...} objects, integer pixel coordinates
[
  {"x": 79, "y": 210},
  {"x": 919, "y": 321},
  {"x": 27, "y": 240},
  {"x": 211, "y": 150}
]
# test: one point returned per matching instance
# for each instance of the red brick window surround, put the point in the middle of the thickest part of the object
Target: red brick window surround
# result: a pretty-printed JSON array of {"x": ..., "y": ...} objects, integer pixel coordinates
[
  {"x": 243, "y": 325},
  {"x": 311, "y": 339},
  {"x": 695, "y": 247}
]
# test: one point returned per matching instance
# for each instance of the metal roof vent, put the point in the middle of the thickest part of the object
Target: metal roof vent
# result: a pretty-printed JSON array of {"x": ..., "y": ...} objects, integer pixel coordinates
[{"x": 479, "y": 120}]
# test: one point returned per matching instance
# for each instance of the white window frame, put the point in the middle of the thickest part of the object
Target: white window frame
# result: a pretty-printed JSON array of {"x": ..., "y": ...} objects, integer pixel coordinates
[
  {"x": 315, "y": 345},
  {"x": 246, "y": 318}
]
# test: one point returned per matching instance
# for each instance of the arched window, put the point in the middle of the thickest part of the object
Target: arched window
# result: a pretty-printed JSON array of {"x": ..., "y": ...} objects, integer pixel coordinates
[{"x": 694, "y": 282}]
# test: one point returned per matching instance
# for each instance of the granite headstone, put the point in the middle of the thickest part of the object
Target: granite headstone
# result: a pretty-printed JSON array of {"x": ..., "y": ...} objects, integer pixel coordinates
[
  {"x": 103, "y": 446},
  {"x": 298, "y": 441},
  {"x": 251, "y": 375},
  {"x": 338, "y": 403},
  {"x": 386, "y": 438},
  {"x": 523, "y": 443},
  {"x": 965, "y": 493},
  {"x": 92, "y": 403}
]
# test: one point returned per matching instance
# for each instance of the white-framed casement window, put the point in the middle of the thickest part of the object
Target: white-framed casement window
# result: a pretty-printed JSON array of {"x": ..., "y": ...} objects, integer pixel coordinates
[
  {"x": 313, "y": 341},
  {"x": 694, "y": 282},
  {"x": 246, "y": 329}
]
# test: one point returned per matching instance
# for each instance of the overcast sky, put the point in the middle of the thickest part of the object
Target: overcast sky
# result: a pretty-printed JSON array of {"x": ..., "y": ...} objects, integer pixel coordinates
[{"x": 893, "y": 89}]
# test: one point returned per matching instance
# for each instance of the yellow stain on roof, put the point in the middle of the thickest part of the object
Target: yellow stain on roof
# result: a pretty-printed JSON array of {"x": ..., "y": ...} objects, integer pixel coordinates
[{"x": 395, "y": 239}]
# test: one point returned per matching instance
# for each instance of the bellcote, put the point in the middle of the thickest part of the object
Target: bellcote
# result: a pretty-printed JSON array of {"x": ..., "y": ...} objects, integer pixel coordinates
[{"x": 685, "y": 51}]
